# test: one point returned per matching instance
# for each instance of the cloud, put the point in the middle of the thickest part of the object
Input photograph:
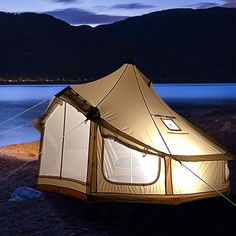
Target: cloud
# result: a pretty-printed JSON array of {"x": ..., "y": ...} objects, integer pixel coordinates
[
  {"x": 203, "y": 5},
  {"x": 229, "y": 3},
  {"x": 130, "y": 6},
  {"x": 78, "y": 16},
  {"x": 64, "y": 1}
]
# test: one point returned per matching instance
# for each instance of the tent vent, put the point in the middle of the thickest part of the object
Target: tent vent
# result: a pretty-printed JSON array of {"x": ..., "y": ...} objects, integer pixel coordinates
[{"x": 93, "y": 114}]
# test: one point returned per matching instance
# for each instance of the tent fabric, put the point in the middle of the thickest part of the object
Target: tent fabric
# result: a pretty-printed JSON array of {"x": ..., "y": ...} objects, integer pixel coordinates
[
  {"x": 50, "y": 163},
  {"x": 76, "y": 146},
  {"x": 127, "y": 145},
  {"x": 108, "y": 187},
  {"x": 185, "y": 182},
  {"x": 126, "y": 103}
]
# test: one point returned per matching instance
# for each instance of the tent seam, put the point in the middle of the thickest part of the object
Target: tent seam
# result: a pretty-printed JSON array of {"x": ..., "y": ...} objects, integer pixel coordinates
[
  {"x": 112, "y": 87},
  {"x": 150, "y": 112},
  {"x": 180, "y": 120},
  {"x": 156, "y": 97},
  {"x": 63, "y": 141},
  {"x": 188, "y": 127}
]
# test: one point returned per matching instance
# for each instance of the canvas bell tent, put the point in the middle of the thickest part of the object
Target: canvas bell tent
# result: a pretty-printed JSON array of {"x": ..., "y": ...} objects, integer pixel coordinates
[{"x": 116, "y": 139}]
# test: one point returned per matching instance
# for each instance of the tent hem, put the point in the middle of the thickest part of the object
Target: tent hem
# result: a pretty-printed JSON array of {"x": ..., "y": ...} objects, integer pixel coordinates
[{"x": 140, "y": 198}]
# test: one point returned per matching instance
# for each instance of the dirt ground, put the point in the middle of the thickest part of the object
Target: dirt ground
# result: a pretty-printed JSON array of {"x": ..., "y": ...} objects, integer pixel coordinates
[{"x": 60, "y": 215}]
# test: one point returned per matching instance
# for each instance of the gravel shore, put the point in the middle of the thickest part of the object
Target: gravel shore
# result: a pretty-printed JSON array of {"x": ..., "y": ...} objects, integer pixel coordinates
[{"x": 60, "y": 215}]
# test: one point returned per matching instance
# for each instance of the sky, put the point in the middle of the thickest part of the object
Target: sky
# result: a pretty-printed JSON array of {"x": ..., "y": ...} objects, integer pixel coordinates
[{"x": 95, "y": 12}]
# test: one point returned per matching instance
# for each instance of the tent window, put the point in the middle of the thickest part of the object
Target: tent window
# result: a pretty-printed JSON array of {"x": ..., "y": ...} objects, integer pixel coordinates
[
  {"x": 226, "y": 172},
  {"x": 124, "y": 165},
  {"x": 170, "y": 124},
  {"x": 76, "y": 145},
  {"x": 51, "y": 156}
]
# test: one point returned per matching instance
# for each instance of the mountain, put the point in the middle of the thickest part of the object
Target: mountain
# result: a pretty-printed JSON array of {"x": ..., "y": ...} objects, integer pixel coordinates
[{"x": 179, "y": 45}]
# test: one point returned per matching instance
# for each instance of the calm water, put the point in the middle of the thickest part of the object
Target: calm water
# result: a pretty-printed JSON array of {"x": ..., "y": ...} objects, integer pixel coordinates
[{"x": 15, "y": 99}]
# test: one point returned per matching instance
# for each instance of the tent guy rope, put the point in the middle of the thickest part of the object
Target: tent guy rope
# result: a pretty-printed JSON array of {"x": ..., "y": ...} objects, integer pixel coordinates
[
  {"x": 128, "y": 71},
  {"x": 55, "y": 141},
  {"x": 221, "y": 194},
  {"x": 21, "y": 113},
  {"x": 48, "y": 146},
  {"x": 16, "y": 128},
  {"x": 182, "y": 164}
]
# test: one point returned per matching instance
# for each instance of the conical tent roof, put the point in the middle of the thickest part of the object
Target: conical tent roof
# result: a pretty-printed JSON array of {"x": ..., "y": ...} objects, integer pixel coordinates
[{"x": 132, "y": 113}]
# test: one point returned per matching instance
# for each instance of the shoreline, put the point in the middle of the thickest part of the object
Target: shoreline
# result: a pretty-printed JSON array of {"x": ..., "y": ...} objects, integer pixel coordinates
[{"x": 21, "y": 151}]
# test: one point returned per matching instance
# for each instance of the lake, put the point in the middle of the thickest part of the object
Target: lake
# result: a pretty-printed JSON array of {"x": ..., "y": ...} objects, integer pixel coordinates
[{"x": 181, "y": 97}]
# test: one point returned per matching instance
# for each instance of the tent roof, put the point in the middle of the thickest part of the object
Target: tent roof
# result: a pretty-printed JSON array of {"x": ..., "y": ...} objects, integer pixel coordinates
[{"x": 132, "y": 113}]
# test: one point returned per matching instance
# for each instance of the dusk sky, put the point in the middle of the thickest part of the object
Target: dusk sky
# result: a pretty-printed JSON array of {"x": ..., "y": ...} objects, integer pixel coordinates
[{"x": 94, "y": 12}]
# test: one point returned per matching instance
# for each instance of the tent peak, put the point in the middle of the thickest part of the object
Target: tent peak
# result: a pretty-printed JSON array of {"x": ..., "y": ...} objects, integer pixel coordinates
[{"x": 131, "y": 62}]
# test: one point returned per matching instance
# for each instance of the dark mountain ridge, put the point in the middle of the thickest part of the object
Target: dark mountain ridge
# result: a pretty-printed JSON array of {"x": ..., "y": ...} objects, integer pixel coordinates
[{"x": 180, "y": 45}]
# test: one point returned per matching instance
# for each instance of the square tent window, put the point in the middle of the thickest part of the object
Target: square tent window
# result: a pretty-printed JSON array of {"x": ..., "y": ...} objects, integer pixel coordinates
[
  {"x": 170, "y": 124},
  {"x": 125, "y": 165}
]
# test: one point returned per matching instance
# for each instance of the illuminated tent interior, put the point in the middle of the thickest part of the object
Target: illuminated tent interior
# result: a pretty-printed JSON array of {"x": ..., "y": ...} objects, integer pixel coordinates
[{"x": 116, "y": 139}]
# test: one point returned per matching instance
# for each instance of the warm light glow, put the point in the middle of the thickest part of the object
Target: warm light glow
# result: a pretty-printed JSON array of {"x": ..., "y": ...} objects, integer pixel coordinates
[
  {"x": 122, "y": 164},
  {"x": 184, "y": 178},
  {"x": 182, "y": 144},
  {"x": 185, "y": 182},
  {"x": 226, "y": 172},
  {"x": 170, "y": 124}
]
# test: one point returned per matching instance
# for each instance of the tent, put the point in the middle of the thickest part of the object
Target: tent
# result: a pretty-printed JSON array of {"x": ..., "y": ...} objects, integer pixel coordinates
[{"x": 116, "y": 139}]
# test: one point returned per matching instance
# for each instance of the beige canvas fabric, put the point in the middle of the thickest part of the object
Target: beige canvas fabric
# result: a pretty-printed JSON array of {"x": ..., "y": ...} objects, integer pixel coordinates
[
  {"x": 184, "y": 182},
  {"x": 106, "y": 186},
  {"x": 127, "y": 103},
  {"x": 130, "y": 146},
  {"x": 51, "y": 157},
  {"x": 75, "y": 146}
]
